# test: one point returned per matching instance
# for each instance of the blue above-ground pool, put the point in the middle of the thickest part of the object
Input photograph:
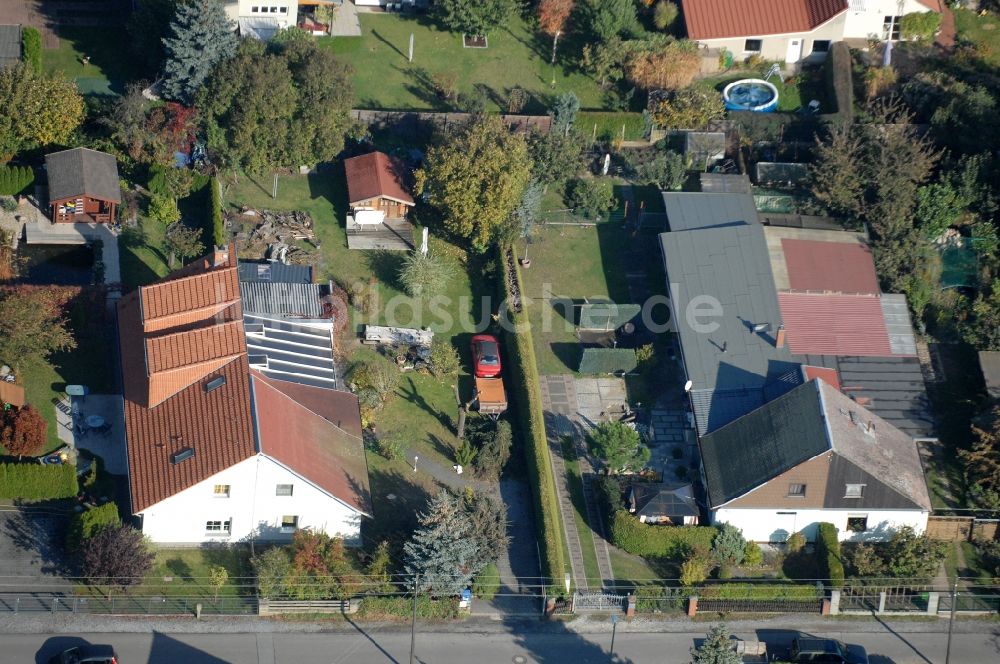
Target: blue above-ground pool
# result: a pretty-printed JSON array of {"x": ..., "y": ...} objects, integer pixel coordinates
[{"x": 750, "y": 94}]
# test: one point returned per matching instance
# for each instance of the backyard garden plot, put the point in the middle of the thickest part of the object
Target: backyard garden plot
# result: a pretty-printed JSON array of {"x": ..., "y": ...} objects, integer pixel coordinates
[
  {"x": 516, "y": 57},
  {"x": 93, "y": 57}
]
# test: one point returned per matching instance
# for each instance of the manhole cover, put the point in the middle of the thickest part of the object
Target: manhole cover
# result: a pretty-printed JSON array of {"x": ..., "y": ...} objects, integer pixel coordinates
[
  {"x": 519, "y": 659},
  {"x": 391, "y": 496}
]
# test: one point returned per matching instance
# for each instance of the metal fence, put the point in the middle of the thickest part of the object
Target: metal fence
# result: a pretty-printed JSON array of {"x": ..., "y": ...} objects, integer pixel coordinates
[
  {"x": 897, "y": 598},
  {"x": 127, "y": 604},
  {"x": 598, "y": 602},
  {"x": 783, "y": 605}
]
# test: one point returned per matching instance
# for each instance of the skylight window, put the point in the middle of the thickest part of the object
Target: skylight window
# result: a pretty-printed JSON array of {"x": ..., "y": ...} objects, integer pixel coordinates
[
  {"x": 181, "y": 455},
  {"x": 215, "y": 384}
]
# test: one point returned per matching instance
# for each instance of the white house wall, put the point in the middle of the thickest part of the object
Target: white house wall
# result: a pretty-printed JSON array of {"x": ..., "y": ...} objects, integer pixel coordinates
[
  {"x": 763, "y": 525},
  {"x": 252, "y": 507},
  {"x": 861, "y": 24},
  {"x": 288, "y": 19},
  {"x": 774, "y": 47}
]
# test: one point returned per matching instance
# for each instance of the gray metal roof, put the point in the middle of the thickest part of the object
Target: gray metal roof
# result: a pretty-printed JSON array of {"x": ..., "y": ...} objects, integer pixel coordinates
[
  {"x": 725, "y": 183},
  {"x": 896, "y": 314},
  {"x": 276, "y": 272},
  {"x": 10, "y": 44},
  {"x": 807, "y": 421},
  {"x": 989, "y": 363},
  {"x": 287, "y": 300},
  {"x": 294, "y": 351},
  {"x": 692, "y": 210},
  {"x": 82, "y": 172}
]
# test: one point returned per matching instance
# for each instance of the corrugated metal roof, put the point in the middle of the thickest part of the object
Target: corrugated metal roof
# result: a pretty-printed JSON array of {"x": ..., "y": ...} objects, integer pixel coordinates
[
  {"x": 725, "y": 183},
  {"x": 716, "y": 19},
  {"x": 836, "y": 267},
  {"x": 288, "y": 300},
  {"x": 897, "y": 323},
  {"x": 290, "y": 351},
  {"x": 693, "y": 210},
  {"x": 275, "y": 272},
  {"x": 834, "y": 324}
]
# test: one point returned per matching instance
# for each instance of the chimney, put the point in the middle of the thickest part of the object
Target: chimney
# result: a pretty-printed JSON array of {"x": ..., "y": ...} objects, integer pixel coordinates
[
  {"x": 779, "y": 339},
  {"x": 220, "y": 256}
]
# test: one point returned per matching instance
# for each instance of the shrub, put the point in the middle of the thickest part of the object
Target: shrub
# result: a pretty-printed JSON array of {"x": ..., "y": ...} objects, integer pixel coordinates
[
  {"x": 665, "y": 66},
  {"x": 693, "y": 107},
  {"x": 84, "y": 525},
  {"x": 618, "y": 446},
  {"x": 31, "y": 45},
  {"x": 729, "y": 547},
  {"x": 760, "y": 591},
  {"x": 694, "y": 571},
  {"x": 376, "y": 375},
  {"x": 919, "y": 26},
  {"x": 592, "y": 198},
  {"x": 380, "y": 608},
  {"x": 271, "y": 568},
  {"x": 840, "y": 87},
  {"x": 664, "y": 14},
  {"x": 878, "y": 80},
  {"x": 643, "y": 539},
  {"x": 487, "y": 583},
  {"x": 494, "y": 449},
  {"x": 33, "y": 481},
  {"x": 795, "y": 543},
  {"x": 163, "y": 209},
  {"x": 526, "y": 406},
  {"x": 465, "y": 454},
  {"x": 15, "y": 179},
  {"x": 444, "y": 358},
  {"x": 215, "y": 213},
  {"x": 425, "y": 275},
  {"x": 828, "y": 554},
  {"x": 22, "y": 431},
  {"x": 389, "y": 447},
  {"x": 752, "y": 555}
]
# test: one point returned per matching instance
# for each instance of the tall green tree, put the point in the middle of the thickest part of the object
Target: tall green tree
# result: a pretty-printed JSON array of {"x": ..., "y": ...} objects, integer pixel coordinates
[
  {"x": 556, "y": 156},
  {"x": 324, "y": 98},
  {"x": 475, "y": 178},
  {"x": 200, "y": 37},
  {"x": 36, "y": 109},
  {"x": 33, "y": 324},
  {"x": 618, "y": 446},
  {"x": 717, "y": 648},
  {"x": 475, "y": 17},
  {"x": 611, "y": 18},
  {"x": 183, "y": 242},
  {"x": 444, "y": 550}
]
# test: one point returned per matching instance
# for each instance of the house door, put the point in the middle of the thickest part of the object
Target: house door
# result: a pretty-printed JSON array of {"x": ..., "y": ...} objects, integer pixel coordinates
[{"x": 794, "y": 52}]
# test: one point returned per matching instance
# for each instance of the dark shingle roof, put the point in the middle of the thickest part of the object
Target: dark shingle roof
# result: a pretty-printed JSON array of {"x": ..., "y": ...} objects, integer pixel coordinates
[
  {"x": 761, "y": 445},
  {"x": 10, "y": 44},
  {"x": 82, "y": 172},
  {"x": 690, "y": 210},
  {"x": 656, "y": 500}
]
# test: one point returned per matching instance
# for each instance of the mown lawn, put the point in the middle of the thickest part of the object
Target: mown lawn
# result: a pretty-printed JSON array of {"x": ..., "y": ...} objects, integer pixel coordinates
[
  {"x": 516, "y": 56},
  {"x": 798, "y": 91},
  {"x": 591, "y": 570},
  {"x": 108, "y": 69},
  {"x": 983, "y": 31},
  {"x": 142, "y": 256}
]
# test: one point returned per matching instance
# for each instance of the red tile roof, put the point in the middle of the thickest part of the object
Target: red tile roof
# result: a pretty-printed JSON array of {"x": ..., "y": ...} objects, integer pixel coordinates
[
  {"x": 309, "y": 442},
  {"x": 717, "y": 19},
  {"x": 834, "y": 324},
  {"x": 173, "y": 342},
  {"x": 373, "y": 175},
  {"x": 836, "y": 267},
  {"x": 829, "y": 376}
]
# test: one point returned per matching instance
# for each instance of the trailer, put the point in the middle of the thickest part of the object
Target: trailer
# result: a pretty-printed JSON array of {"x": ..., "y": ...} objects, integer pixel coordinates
[{"x": 491, "y": 399}]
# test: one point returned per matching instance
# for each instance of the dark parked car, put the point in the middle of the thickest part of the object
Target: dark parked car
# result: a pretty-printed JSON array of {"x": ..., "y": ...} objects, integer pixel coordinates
[
  {"x": 486, "y": 356},
  {"x": 89, "y": 654},
  {"x": 827, "y": 650}
]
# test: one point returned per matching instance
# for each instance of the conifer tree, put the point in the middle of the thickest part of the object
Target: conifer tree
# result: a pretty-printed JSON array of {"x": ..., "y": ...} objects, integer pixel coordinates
[
  {"x": 444, "y": 550},
  {"x": 200, "y": 37}
]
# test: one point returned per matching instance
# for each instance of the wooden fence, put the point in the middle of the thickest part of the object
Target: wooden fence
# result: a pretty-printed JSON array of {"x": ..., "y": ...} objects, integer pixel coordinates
[{"x": 962, "y": 528}]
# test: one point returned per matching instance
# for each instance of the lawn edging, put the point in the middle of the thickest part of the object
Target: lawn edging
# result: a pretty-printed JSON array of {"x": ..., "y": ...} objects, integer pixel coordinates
[{"x": 523, "y": 385}]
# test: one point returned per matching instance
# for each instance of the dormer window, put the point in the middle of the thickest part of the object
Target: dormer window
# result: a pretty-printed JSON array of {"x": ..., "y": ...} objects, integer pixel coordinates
[{"x": 854, "y": 490}]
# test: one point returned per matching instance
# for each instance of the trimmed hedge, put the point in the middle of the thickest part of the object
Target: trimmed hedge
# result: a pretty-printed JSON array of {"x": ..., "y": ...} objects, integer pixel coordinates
[
  {"x": 643, "y": 539},
  {"x": 760, "y": 591},
  {"x": 828, "y": 554},
  {"x": 15, "y": 179},
  {"x": 33, "y": 481},
  {"x": 840, "y": 87},
  {"x": 84, "y": 525},
  {"x": 31, "y": 48},
  {"x": 218, "y": 228},
  {"x": 522, "y": 383},
  {"x": 402, "y": 607}
]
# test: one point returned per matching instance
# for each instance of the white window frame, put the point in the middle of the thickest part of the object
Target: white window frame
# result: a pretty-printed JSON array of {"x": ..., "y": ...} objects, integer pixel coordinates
[
  {"x": 278, "y": 493},
  {"x": 854, "y": 490},
  {"x": 219, "y": 526},
  {"x": 857, "y": 516},
  {"x": 222, "y": 494},
  {"x": 802, "y": 494},
  {"x": 295, "y": 521},
  {"x": 747, "y": 50}
]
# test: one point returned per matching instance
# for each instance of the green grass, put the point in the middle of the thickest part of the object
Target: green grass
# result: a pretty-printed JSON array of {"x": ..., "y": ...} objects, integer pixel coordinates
[
  {"x": 591, "y": 571},
  {"x": 983, "y": 31},
  {"x": 627, "y": 567},
  {"x": 572, "y": 263},
  {"x": 108, "y": 69},
  {"x": 608, "y": 126},
  {"x": 143, "y": 262},
  {"x": 800, "y": 90},
  {"x": 383, "y": 79}
]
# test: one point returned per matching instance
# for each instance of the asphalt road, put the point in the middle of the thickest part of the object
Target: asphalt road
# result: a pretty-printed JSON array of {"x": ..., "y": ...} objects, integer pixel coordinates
[{"x": 443, "y": 648}]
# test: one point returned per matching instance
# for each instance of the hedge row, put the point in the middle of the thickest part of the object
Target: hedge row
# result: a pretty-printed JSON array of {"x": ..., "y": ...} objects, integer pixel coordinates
[
  {"x": 33, "y": 481},
  {"x": 760, "y": 591},
  {"x": 84, "y": 525},
  {"x": 643, "y": 539},
  {"x": 840, "y": 90},
  {"x": 15, "y": 179},
  {"x": 384, "y": 607},
  {"x": 828, "y": 554},
  {"x": 522, "y": 383},
  {"x": 608, "y": 126},
  {"x": 31, "y": 48},
  {"x": 214, "y": 198}
]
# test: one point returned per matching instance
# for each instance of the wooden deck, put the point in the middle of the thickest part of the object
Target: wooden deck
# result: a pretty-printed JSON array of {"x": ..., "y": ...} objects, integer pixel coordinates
[{"x": 392, "y": 235}]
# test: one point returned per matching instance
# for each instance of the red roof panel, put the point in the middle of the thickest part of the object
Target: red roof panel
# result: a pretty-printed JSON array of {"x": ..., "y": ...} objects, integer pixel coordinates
[
  {"x": 375, "y": 174},
  {"x": 835, "y": 267},
  {"x": 717, "y": 19},
  {"x": 834, "y": 324}
]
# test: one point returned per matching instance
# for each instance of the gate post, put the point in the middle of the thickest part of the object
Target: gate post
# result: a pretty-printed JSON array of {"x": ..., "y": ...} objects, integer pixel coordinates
[
  {"x": 881, "y": 602},
  {"x": 933, "y": 598},
  {"x": 834, "y": 602},
  {"x": 693, "y": 606}
]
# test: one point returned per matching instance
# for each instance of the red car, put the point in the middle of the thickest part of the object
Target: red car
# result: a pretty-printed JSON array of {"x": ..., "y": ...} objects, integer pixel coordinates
[{"x": 486, "y": 356}]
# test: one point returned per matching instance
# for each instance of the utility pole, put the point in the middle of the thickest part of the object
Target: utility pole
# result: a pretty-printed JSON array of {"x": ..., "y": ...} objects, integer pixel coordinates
[
  {"x": 614, "y": 629},
  {"x": 951, "y": 620},
  {"x": 413, "y": 624}
]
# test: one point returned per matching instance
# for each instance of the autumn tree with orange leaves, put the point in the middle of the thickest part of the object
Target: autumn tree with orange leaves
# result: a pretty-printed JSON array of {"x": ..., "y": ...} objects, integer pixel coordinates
[{"x": 552, "y": 17}]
